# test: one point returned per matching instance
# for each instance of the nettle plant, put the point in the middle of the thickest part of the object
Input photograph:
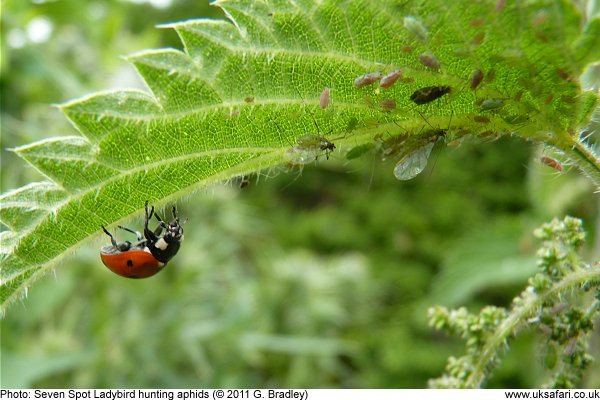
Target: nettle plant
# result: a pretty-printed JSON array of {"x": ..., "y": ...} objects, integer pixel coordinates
[{"x": 283, "y": 83}]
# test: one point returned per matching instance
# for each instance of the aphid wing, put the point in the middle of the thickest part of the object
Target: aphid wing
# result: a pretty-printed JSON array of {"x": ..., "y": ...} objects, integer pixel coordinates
[{"x": 414, "y": 163}]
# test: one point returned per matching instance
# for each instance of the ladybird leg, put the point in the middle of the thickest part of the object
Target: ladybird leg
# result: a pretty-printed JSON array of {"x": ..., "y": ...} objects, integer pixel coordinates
[
  {"x": 158, "y": 230},
  {"x": 148, "y": 216},
  {"x": 112, "y": 239},
  {"x": 148, "y": 234},
  {"x": 151, "y": 213},
  {"x": 162, "y": 225},
  {"x": 136, "y": 233}
]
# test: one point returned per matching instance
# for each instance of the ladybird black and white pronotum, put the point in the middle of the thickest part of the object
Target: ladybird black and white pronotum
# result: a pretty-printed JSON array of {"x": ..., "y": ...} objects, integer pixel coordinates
[{"x": 149, "y": 254}]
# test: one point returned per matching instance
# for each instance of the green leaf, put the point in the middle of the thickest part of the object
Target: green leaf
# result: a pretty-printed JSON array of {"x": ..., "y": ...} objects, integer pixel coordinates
[{"x": 243, "y": 91}]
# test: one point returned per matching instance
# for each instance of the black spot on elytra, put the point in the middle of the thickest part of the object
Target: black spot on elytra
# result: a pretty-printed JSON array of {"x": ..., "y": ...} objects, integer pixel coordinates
[{"x": 130, "y": 263}]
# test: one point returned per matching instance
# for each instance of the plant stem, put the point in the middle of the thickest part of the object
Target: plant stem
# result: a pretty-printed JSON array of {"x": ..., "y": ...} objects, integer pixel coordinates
[
  {"x": 518, "y": 318},
  {"x": 587, "y": 161}
]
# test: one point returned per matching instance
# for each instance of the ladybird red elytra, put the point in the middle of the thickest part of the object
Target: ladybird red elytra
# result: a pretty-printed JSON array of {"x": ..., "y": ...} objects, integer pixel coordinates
[{"x": 149, "y": 254}]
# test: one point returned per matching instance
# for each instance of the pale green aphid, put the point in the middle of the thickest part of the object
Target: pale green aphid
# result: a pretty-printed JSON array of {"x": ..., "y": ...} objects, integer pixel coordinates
[
  {"x": 516, "y": 119},
  {"x": 413, "y": 163},
  {"x": 315, "y": 142},
  {"x": 308, "y": 148},
  {"x": 414, "y": 26},
  {"x": 491, "y": 104}
]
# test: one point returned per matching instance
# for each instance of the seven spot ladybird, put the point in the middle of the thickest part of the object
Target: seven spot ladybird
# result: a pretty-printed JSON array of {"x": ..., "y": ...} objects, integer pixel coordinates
[{"x": 149, "y": 254}]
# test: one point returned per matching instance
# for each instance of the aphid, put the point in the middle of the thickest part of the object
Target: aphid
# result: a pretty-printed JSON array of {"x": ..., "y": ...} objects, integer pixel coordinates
[
  {"x": 491, "y": 104},
  {"x": 368, "y": 100},
  {"x": 371, "y": 122},
  {"x": 249, "y": 99},
  {"x": 325, "y": 98},
  {"x": 567, "y": 99},
  {"x": 489, "y": 136},
  {"x": 552, "y": 163},
  {"x": 519, "y": 95},
  {"x": 476, "y": 78},
  {"x": 564, "y": 74},
  {"x": 481, "y": 119},
  {"x": 478, "y": 38},
  {"x": 455, "y": 142},
  {"x": 149, "y": 254},
  {"x": 539, "y": 23},
  {"x": 500, "y": 5},
  {"x": 244, "y": 182},
  {"x": 388, "y": 105},
  {"x": 539, "y": 18},
  {"x": 430, "y": 93},
  {"x": 542, "y": 37},
  {"x": 414, "y": 163},
  {"x": 367, "y": 79},
  {"x": 430, "y": 61},
  {"x": 414, "y": 26},
  {"x": 570, "y": 347},
  {"x": 407, "y": 49},
  {"x": 515, "y": 119},
  {"x": 352, "y": 122},
  {"x": 477, "y": 23},
  {"x": 490, "y": 75},
  {"x": 389, "y": 80},
  {"x": 315, "y": 141},
  {"x": 310, "y": 146}
]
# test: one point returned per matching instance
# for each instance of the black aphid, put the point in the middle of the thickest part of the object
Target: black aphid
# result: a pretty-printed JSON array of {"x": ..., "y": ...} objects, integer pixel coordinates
[{"x": 429, "y": 94}]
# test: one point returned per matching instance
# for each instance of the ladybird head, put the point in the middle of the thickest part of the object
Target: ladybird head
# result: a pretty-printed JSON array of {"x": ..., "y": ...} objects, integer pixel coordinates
[{"x": 173, "y": 230}]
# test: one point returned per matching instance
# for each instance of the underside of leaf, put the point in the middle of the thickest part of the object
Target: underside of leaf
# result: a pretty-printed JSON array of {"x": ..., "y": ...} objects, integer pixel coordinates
[{"x": 239, "y": 96}]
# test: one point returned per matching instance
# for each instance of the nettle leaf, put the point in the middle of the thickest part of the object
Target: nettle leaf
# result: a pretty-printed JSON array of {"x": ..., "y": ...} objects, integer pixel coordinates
[{"x": 244, "y": 94}]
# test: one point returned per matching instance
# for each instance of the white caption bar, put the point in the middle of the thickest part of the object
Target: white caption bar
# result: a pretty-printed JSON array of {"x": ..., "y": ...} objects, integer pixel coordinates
[{"x": 299, "y": 394}]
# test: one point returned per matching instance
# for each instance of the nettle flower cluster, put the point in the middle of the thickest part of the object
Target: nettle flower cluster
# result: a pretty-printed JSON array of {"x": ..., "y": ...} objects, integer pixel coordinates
[{"x": 561, "y": 302}]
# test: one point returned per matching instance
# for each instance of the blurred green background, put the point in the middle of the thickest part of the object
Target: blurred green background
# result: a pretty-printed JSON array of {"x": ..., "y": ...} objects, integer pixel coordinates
[{"x": 313, "y": 279}]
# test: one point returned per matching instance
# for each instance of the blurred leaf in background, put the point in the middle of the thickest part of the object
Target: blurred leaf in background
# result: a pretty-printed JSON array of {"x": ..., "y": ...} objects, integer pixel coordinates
[{"x": 318, "y": 278}]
